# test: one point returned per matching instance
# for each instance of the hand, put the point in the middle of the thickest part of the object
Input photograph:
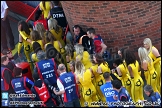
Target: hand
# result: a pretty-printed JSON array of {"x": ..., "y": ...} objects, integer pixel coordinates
[
  {"x": 113, "y": 71},
  {"x": 115, "y": 97},
  {"x": 4, "y": 19}
]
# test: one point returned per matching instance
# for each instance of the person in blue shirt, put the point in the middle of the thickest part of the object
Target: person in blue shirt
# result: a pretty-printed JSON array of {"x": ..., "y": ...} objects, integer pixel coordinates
[
  {"x": 123, "y": 95},
  {"x": 108, "y": 91},
  {"x": 153, "y": 97},
  {"x": 67, "y": 87},
  {"x": 21, "y": 85}
]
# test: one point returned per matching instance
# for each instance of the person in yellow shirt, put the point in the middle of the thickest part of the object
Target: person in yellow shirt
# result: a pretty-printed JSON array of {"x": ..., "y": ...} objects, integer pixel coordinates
[
  {"x": 70, "y": 54},
  {"x": 24, "y": 34},
  {"x": 136, "y": 80},
  {"x": 147, "y": 65},
  {"x": 155, "y": 56},
  {"x": 83, "y": 56},
  {"x": 103, "y": 66},
  {"x": 45, "y": 7},
  {"x": 98, "y": 79},
  {"x": 36, "y": 47},
  {"x": 56, "y": 30},
  {"x": 83, "y": 77},
  {"x": 49, "y": 39},
  {"x": 41, "y": 30},
  {"x": 122, "y": 74}
]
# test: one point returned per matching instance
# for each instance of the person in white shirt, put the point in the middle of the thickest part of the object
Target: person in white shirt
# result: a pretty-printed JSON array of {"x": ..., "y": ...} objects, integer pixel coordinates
[{"x": 5, "y": 28}]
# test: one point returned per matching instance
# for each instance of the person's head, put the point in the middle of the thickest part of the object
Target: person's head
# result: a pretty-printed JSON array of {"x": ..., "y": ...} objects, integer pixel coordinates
[
  {"x": 35, "y": 36},
  {"x": 121, "y": 53},
  {"x": 77, "y": 29},
  {"x": 129, "y": 56},
  {"x": 41, "y": 55},
  {"x": 56, "y": 3},
  {"x": 61, "y": 68},
  {"x": 24, "y": 27},
  {"x": 49, "y": 37},
  {"x": 79, "y": 68},
  {"x": 17, "y": 71},
  {"x": 69, "y": 50},
  {"x": 116, "y": 84},
  {"x": 106, "y": 76},
  {"x": 143, "y": 55},
  {"x": 4, "y": 60},
  {"x": 117, "y": 62},
  {"x": 148, "y": 90},
  {"x": 79, "y": 49},
  {"x": 53, "y": 24},
  {"x": 8, "y": 53},
  {"x": 72, "y": 66},
  {"x": 98, "y": 58},
  {"x": 91, "y": 32},
  {"x": 39, "y": 27},
  {"x": 35, "y": 76},
  {"x": 147, "y": 44},
  {"x": 36, "y": 47},
  {"x": 38, "y": 15}
]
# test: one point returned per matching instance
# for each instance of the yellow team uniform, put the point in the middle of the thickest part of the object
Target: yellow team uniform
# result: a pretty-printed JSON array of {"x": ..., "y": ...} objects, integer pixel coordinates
[
  {"x": 136, "y": 83},
  {"x": 157, "y": 66},
  {"x": 58, "y": 36},
  {"x": 33, "y": 56},
  {"x": 86, "y": 60},
  {"x": 105, "y": 67},
  {"x": 125, "y": 78},
  {"x": 98, "y": 81},
  {"x": 89, "y": 90},
  {"x": 27, "y": 46},
  {"x": 68, "y": 65},
  {"x": 47, "y": 10},
  {"x": 152, "y": 76}
]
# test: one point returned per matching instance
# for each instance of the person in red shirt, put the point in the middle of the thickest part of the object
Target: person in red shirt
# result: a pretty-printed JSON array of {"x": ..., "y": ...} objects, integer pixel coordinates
[
  {"x": 39, "y": 19},
  {"x": 99, "y": 46}
]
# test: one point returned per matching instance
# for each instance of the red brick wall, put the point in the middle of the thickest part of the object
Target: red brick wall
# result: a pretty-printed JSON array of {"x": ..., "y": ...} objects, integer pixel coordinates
[{"x": 120, "y": 23}]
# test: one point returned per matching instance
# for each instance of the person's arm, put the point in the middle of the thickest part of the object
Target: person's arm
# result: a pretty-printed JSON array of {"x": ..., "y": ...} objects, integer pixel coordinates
[
  {"x": 144, "y": 65},
  {"x": 99, "y": 70},
  {"x": 7, "y": 76},
  {"x": 61, "y": 88},
  {"x": 130, "y": 71},
  {"x": 157, "y": 55},
  {"x": 117, "y": 75},
  {"x": 104, "y": 47},
  {"x": 6, "y": 10}
]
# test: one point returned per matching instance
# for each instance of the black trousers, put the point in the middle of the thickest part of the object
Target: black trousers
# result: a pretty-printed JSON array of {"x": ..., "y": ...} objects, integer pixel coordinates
[{"x": 6, "y": 31}]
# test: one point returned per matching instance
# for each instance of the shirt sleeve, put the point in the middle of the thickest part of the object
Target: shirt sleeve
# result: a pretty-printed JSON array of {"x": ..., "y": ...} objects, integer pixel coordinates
[
  {"x": 97, "y": 43},
  {"x": 4, "y": 4},
  {"x": 60, "y": 85},
  {"x": 7, "y": 76}
]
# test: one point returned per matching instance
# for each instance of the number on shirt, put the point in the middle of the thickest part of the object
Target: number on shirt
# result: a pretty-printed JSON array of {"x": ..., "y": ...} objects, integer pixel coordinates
[{"x": 49, "y": 75}]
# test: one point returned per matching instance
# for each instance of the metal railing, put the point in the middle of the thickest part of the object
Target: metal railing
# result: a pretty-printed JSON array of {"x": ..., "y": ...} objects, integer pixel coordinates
[{"x": 31, "y": 15}]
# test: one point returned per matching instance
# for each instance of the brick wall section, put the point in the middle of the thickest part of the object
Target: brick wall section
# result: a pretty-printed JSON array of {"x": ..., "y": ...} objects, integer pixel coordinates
[{"x": 120, "y": 23}]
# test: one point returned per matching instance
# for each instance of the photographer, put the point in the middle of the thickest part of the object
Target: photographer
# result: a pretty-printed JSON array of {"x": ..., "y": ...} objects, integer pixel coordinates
[{"x": 42, "y": 90}]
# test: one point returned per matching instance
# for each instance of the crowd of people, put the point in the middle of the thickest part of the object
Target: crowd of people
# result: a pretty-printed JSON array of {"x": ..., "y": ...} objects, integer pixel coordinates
[{"x": 75, "y": 72}]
